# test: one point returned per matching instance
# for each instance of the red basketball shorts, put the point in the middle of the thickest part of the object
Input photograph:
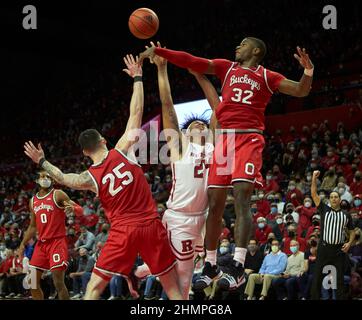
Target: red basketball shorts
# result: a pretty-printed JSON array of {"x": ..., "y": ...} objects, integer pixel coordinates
[
  {"x": 50, "y": 255},
  {"x": 124, "y": 243},
  {"x": 237, "y": 157}
]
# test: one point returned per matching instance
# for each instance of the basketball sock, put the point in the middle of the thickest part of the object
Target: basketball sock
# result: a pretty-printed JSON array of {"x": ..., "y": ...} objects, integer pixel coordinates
[
  {"x": 240, "y": 254},
  {"x": 211, "y": 257}
]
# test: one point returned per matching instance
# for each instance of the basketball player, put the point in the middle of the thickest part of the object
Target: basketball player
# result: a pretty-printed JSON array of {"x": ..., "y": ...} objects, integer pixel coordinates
[
  {"x": 48, "y": 210},
  {"x": 119, "y": 182},
  {"x": 246, "y": 90},
  {"x": 191, "y": 152}
]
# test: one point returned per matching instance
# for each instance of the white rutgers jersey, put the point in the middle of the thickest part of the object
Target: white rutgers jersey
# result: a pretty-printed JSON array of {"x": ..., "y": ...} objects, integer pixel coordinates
[{"x": 189, "y": 185}]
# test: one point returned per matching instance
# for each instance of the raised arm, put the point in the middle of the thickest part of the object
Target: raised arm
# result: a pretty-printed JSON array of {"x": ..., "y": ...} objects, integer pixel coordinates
[
  {"x": 182, "y": 59},
  {"x": 315, "y": 197},
  {"x": 301, "y": 88},
  {"x": 75, "y": 181},
  {"x": 134, "y": 70}
]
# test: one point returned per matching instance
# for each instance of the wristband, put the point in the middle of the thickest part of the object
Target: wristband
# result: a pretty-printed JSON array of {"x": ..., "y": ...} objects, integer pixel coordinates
[
  {"x": 137, "y": 78},
  {"x": 309, "y": 72},
  {"x": 42, "y": 160}
]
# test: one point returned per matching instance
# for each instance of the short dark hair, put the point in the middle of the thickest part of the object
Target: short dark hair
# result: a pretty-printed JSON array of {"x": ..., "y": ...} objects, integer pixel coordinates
[
  {"x": 89, "y": 139},
  {"x": 258, "y": 43}
]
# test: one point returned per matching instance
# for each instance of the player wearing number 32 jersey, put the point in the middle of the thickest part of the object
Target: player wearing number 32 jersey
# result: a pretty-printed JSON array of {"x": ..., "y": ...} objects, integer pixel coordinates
[
  {"x": 246, "y": 91},
  {"x": 119, "y": 182}
]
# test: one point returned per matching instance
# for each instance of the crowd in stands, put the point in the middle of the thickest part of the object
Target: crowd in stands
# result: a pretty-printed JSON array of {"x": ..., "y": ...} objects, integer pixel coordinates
[{"x": 285, "y": 232}]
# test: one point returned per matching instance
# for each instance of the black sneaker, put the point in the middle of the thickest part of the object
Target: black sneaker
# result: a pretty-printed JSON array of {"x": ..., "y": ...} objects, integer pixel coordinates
[
  {"x": 209, "y": 274},
  {"x": 234, "y": 278}
]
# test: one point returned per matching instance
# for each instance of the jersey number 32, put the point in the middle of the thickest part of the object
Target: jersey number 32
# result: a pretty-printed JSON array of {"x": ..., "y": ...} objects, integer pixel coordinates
[{"x": 117, "y": 175}]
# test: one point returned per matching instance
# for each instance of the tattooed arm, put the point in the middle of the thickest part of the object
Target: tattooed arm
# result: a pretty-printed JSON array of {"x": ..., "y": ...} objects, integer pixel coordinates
[{"x": 75, "y": 181}]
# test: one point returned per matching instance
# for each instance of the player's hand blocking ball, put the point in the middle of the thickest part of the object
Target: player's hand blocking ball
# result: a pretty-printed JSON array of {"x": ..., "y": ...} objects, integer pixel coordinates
[
  {"x": 134, "y": 68},
  {"x": 143, "y": 23}
]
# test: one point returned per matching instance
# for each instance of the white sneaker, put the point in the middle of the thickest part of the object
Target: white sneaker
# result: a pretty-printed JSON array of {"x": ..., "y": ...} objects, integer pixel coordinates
[
  {"x": 262, "y": 298},
  {"x": 76, "y": 297},
  {"x": 112, "y": 298}
]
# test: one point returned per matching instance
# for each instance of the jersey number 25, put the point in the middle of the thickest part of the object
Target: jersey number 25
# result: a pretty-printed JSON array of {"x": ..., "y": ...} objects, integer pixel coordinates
[{"x": 117, "y": 174}]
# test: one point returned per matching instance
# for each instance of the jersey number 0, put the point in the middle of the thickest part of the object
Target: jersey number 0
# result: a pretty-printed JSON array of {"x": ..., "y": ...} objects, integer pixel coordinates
[{"x": 117, "y": 174}]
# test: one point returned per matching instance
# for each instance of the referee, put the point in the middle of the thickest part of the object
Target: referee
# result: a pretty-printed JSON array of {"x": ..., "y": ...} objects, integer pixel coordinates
[{"x": 331, "y": 249}]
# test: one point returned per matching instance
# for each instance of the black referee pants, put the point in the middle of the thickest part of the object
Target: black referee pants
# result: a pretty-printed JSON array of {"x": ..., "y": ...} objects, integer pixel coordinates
[{"x": 332, "y": 255}]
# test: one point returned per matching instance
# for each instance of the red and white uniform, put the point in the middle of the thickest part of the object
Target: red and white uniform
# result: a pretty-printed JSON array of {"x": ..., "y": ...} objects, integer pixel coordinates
[
  {"x": 51, "y": 251},
  {"x": 135, "y": 225},
  {"x": 245, "y": 95},
  {"x": 188, "y": 203}
]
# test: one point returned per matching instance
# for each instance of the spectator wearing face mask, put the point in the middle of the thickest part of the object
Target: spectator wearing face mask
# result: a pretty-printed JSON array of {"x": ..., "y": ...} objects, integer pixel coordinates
[
  {"x": 356, "y": 221},
  {"x": 330, "y": 180},
  {"x": 343, "y": 192},
  {"x": 290, "y": 212},
  {"x": 224, "y": 257},
  {"x": 306, "y": 213},
  {"x": 310, "y": 256},
  {"x": 270, "y": 186},
  {"x": 273, "y": 265},
  {"x": 263, "y": 230},
  {"x": 289, "y": 157},
  {"x": 356, "y": 185},
  {"x": 286, "y": 285},
  {"x": 102, "y": 237},
  {"x": 254, "y": 258},
  {"x": 294, "y": 195},
  {"x": 86, "y": 239},
  {"x": 266, "y": 248},
  {"x": 279, "y": 228},
  {"x": 273, "y": 213},
  {"x": 292, "y": 235},
  {"x": 315, "y": 223},
  {"x": 357, "y": 204},
  {"x": 255, "y": 213},
  {"x": 330, "y": 160},
  {"x": 262, "y": 204}
]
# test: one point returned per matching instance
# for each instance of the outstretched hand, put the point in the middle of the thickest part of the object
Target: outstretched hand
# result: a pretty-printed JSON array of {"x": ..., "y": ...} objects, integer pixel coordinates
[
  {"x": 34, "y": 153},
  {"x": 157, "y": 60},
  {"x": 303, "y": 58},
  {"x": 133, "y": 66},
  {"x": 148, "y": 53}
]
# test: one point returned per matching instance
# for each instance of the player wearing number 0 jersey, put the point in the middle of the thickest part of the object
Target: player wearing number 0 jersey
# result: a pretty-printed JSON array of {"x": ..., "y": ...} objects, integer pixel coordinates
[
  {"x": 246, "y": 90},
  {"x": 191, "y": 153},
  {"x": 48, "y": 210},
  {"x": 119, "y": 182}
]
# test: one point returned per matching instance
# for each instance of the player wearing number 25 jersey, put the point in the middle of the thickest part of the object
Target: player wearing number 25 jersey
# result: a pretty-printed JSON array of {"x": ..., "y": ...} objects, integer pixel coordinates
[
  {"x": 135, "y": 224},
  {"x": 122, "y": 188}
]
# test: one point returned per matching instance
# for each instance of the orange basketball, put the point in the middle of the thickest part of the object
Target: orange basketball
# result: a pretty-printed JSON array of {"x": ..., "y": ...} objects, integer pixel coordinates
[{"x": 143, "y": 23}]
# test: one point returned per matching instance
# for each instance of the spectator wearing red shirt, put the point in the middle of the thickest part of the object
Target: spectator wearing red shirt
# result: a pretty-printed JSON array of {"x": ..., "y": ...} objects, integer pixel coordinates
[
  {"x": 292, "y": 235},
  {"x": 294, "y": 195},
  {"x": 343, "y": 142},
  {"x": 306, "y": 213},
  {"x": 330, "y": 160},
  {"x": 356, "y": 185},
  {"x": 263, "y": 230},
  {"x": 225, "y": 233},
  {"x": 262, "y": 204},
  {"x": 273, "y": 213},
  {"x": 357, "y": 204},
  {"x": 255, "y": 213},
  {"x": 270, "y": 185}
]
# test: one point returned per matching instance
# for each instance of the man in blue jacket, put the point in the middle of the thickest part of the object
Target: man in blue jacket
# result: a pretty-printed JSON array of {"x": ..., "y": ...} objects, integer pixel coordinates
[{"x": 273, "y": 266}]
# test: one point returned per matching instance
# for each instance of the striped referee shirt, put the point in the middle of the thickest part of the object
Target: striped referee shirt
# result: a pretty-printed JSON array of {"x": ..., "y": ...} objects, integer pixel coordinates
[{"x": 333, "y": 224}]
